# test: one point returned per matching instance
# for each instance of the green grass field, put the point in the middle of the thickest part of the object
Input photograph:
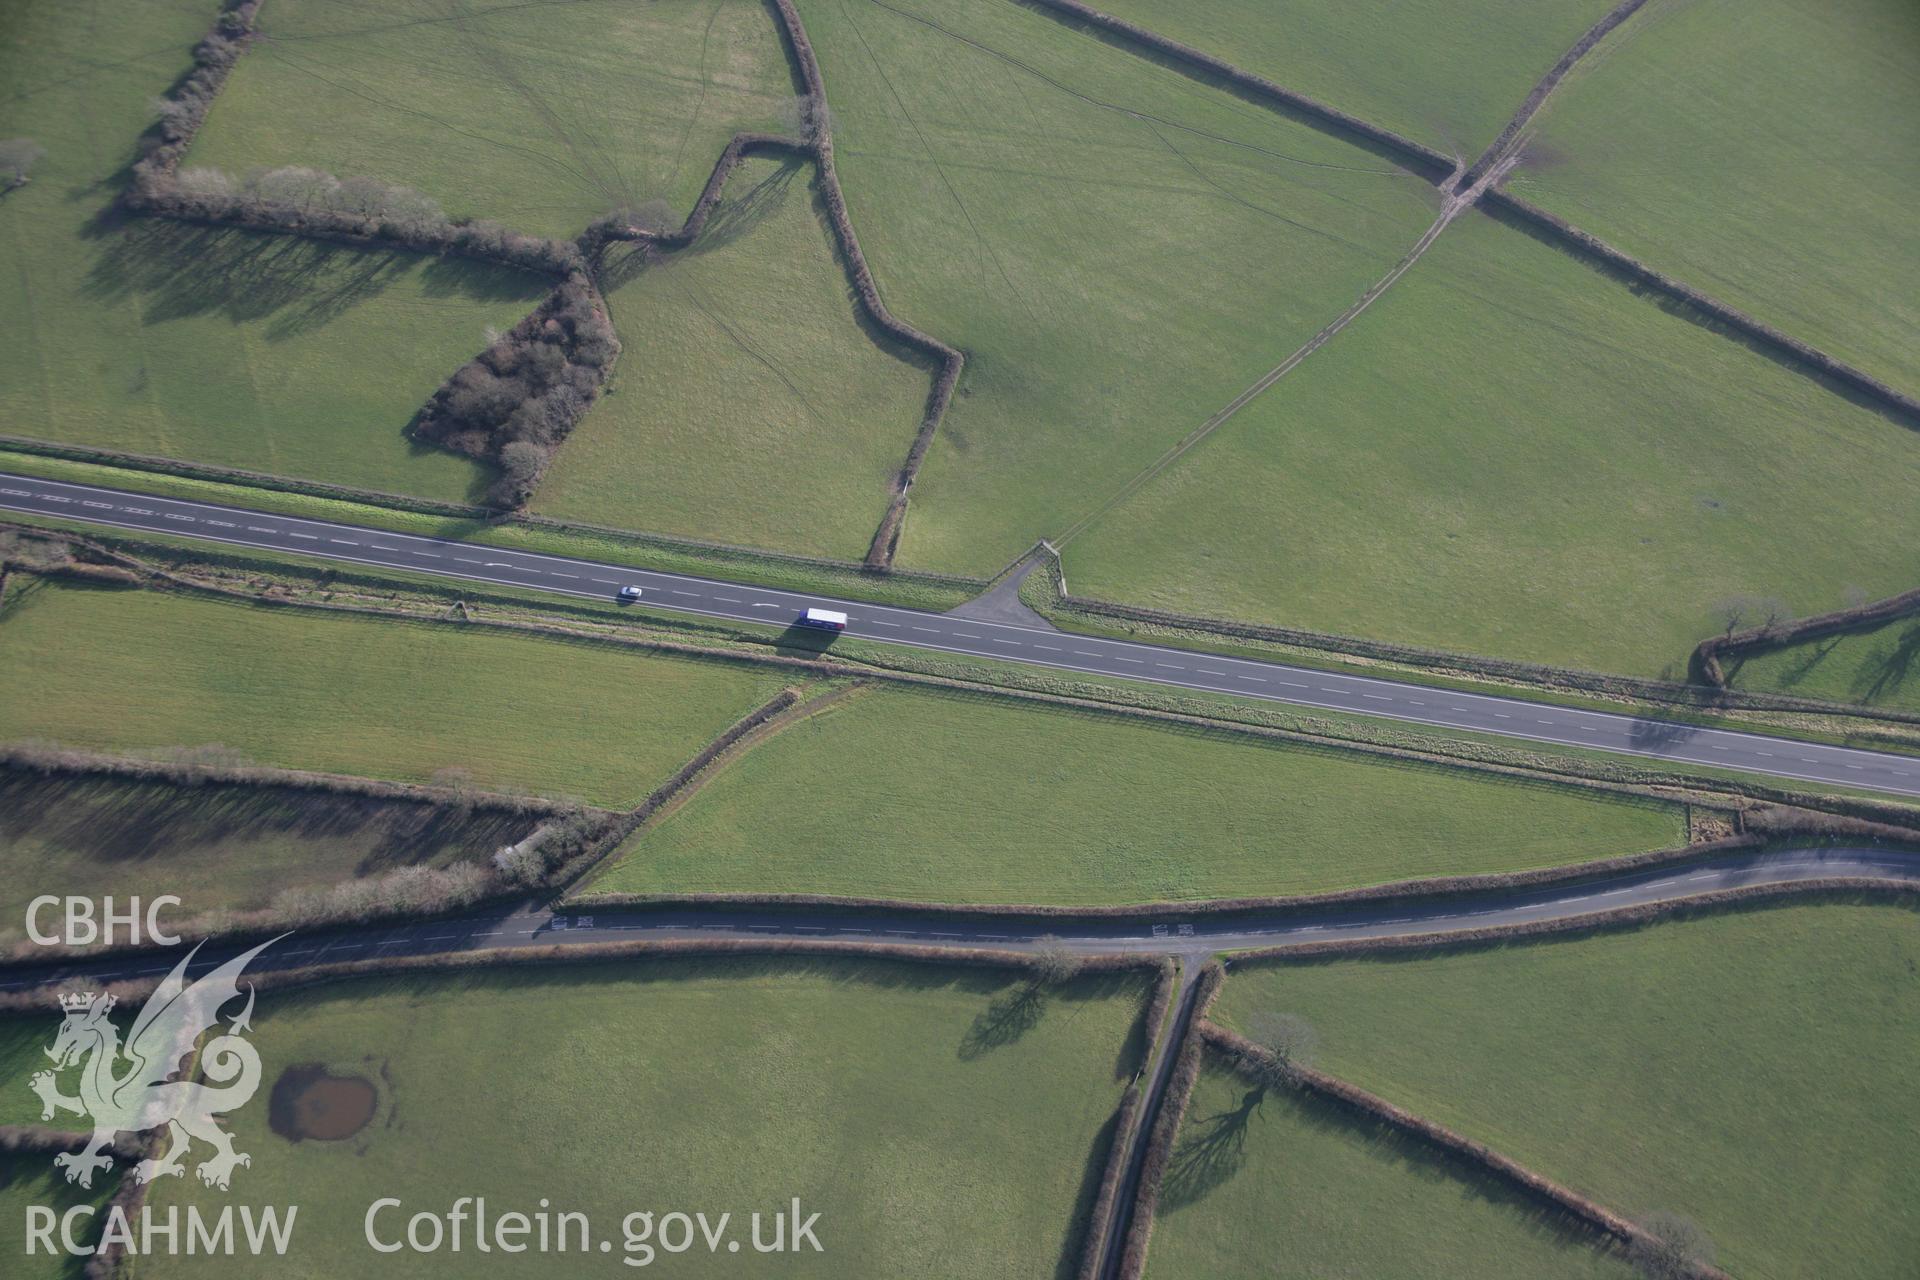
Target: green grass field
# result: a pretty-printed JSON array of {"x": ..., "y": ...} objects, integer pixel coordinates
[
  {"x": 27, "y": 1180},
  {"x": 1873, "y": 667},
  {"x": 1437, "y": 71},
  {"x": 1767, "y": 153},
  {"x": 356, "y": 695},
  {"x": 22, "y": 1037},
  {"x": 940, "y": 1122},
  {"x": 1740, "y": 1069},
  {"x": 756, "y": 410},
  {"x": 937, "y": 797},
  {"x": 1118, "y": 250},
  {"x": 1282, "y": 1184},
  {"x": 259, "y": 352},
  {"x": 212, "y": 846},
  {"x": 540, "y": 116},
  {"x": 1512, "y": 455}
]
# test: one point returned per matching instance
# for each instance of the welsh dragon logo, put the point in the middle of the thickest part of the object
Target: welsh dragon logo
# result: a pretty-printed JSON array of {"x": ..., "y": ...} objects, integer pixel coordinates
[{"x": 131, "y": 1087}]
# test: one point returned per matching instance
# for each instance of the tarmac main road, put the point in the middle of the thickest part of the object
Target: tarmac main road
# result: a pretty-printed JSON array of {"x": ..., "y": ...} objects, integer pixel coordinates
[{"x": 1506, "y": 717}]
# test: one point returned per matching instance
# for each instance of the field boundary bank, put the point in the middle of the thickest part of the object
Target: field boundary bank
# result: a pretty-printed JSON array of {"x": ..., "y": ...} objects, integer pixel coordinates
[
  {"x": 1742, "y": 644},
  {"x": 723, "y": 553},
  {"x": 946, "y": 361},
  {"x": 1100, "y": 1217},
  {"x": 1096, "y": 1241},
  {"x": 681, "y": 784},
  {"x": 1467, "y": 666},
  {"x": 1467, "y": 757},
  {"x": 1239, "y": 1052},
  {"x": 1544, "y": 87},
  {"x": 785, "y": 709},
  {"x": 295, "y": 977},
  {"x": 1424, "y": 160},
  {"x": 33, "y": 757},
  {"x": 1434, "y": 890},
  {"x": 950, "y": 360},
  {"x": 1185, "y": 1048},
  {"x": 1855, "y": 384},
  {"x": 1593, "y": 922},
  {"x": 1421, "y": 159}
]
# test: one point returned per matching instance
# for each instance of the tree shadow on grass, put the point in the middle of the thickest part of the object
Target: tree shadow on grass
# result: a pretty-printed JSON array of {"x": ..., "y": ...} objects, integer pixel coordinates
[
  {"x": 1211, "y": 1150},
  {"x": 1805, "y": 663},
  {"x": 119, "y": 822},
  {"x": 296, "y": 285},
  {"x": 733, "y": 217},
  {"x": 736, "y": 216},
  {"x": 1887, "y": 670},
  {"x": 1007, "y": 1017},
  {"x": 1415, "y": 1158}
]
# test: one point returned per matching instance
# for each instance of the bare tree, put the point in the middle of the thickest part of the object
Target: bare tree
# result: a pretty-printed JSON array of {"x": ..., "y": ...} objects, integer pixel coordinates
[
  {"x": 1764, "y": 612},
  {"x": 654, "y": 216},
  {"x": 458, "y": 784},
  {"x": 806, "y": 118},
  {"x": 1672, "y": 1247},
  {"x": 17, "y": 158},
  {"x": 1290, "y": 1042},
  {"x": 1054, "y": 964}
]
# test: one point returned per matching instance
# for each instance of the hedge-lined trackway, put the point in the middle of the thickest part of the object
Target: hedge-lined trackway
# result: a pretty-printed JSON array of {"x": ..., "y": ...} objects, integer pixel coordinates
[
  {"x": 1505, "y": 716},
  {"x": 1386, "y": 918}
]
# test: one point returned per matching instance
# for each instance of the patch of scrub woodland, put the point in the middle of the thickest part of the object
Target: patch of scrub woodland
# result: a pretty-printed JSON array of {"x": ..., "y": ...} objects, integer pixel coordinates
[
  {"x": 356, "y": 695},
  {"x": 1442, "y": 72},
  {"x": 1513, "y": 454},
  {"x": 757, "y": 408},
  {"x": 1259, "y": 1176},
  {"x": 1879, "y": 667},
  {"x": 261, "y": 352},
  {"x": 540, "y": 116},
  {"x": 937, "y": 797},
  {"x": 213, "y": 845},
  {"x": 1732, "y": 1068},
  {"x": 1118, "y": 249},
  {"x": 940, "y": 1120},
  {"x": 1767, "y": 153}
]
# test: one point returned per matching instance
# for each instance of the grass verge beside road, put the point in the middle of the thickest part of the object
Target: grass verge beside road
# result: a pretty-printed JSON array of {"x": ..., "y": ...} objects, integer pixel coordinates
[
  {"x": 354, "y": 695},
  {"x": 942, "y": 1121},
  {"x": 938, "y": 797},
  {"x": 1259, "y": 1176},
  {"x": 610, "y": 546},
  {"x": 1738, "y": 1068}
]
